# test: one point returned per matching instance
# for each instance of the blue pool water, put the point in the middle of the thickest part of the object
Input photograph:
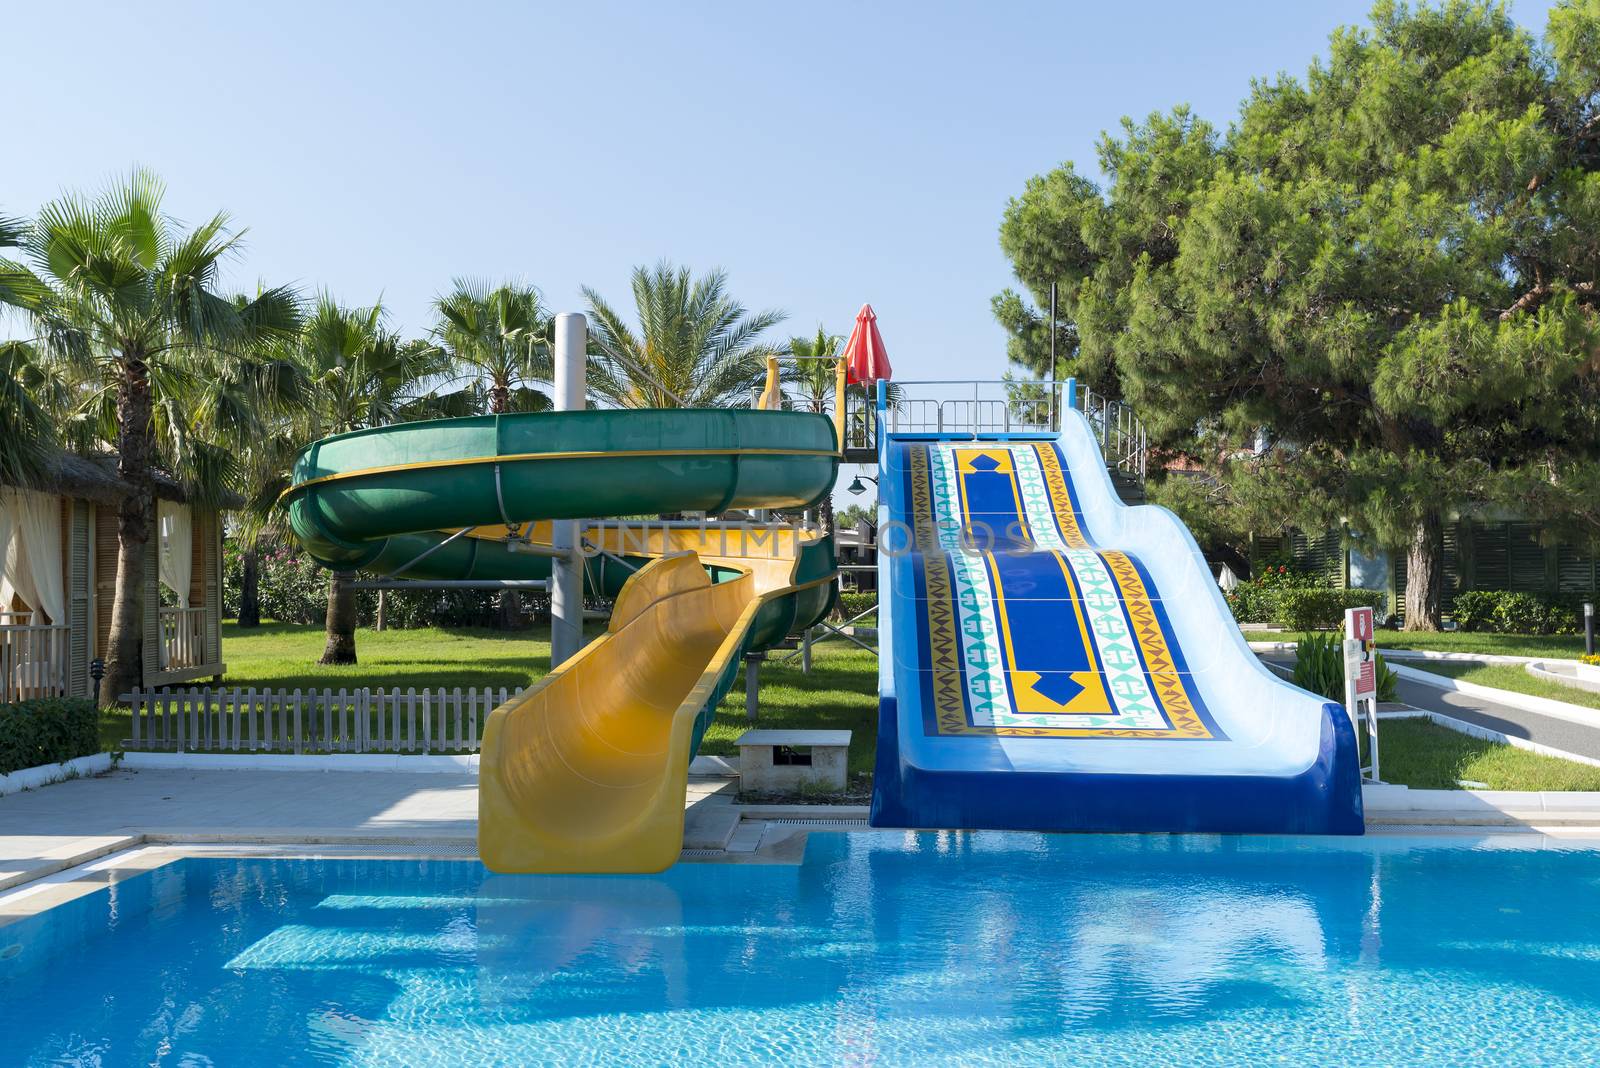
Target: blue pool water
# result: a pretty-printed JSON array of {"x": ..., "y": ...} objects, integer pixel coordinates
[{"x": 880, "y": 949}]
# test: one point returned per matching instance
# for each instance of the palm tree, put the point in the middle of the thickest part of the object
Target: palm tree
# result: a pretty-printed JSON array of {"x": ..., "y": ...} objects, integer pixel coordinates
[
  {"x": 496, "y": 336},
  {"x": 127, "y": 296},
  {"x": 815, "y": 378},
  {"x": 696, "y": 347},
  {"x": 359, "y": 374},
  {"x": 26, "y": 430}
]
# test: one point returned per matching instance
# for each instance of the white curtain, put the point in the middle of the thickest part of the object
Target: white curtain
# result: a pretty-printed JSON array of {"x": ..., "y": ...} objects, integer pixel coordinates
[
  {"x": 8, "y": 523},
  {"x": 33, "y": 555},
  {"x": 177, "y": 548}
]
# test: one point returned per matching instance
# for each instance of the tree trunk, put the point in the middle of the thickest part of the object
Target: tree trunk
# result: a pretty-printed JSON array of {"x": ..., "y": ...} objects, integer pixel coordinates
[
  {"x": 135, "y": 516},
  {"x": 508, "y": 613},
  {"x": 341, "y": 622},
  {"x": 825, "y": 513},
  {"x": 499, "y": 398},
  {"x": 250, "y": 590},
  {"x": 1424, "y": 575},
  {"x": 382, "y": 621}
]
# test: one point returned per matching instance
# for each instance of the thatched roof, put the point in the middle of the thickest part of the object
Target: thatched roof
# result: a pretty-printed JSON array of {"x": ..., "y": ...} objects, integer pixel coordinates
[{"x": 94, "y": 478}]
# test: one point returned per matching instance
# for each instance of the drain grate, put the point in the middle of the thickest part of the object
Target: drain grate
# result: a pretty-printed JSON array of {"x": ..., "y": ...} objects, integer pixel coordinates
[
  {"x": 703, "y": 853},
  {"x": 808, "y": 821}
]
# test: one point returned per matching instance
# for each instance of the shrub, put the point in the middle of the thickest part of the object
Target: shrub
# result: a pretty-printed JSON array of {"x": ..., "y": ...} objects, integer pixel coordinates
[
  {"x": 1322, "y": 609},
  {"x": 293, "y": 589},
  {"x": 1516, "y": 612},
  {"x": 853, "y": 604},
  {"x": 1256, "y": 599},
  {"x": 47, "y": 731},
  {"x": 1519, "y": 613},
  {"x": 1319, "y": 667},
  {"x": 1474, "y": 610},
  {"x": 1592, "y": 659}
]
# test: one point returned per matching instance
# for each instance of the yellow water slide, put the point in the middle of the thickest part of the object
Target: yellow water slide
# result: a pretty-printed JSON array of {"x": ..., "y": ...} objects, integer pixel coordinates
[{"x": 588, "y": 771}]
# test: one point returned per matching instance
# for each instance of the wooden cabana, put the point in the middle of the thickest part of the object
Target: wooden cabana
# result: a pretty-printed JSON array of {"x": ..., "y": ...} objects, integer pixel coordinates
[{"x": 58, "y": 571}]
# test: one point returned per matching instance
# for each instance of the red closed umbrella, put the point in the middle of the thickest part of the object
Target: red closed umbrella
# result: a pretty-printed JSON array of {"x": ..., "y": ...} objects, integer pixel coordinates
[{"x": 864, "y": 355}]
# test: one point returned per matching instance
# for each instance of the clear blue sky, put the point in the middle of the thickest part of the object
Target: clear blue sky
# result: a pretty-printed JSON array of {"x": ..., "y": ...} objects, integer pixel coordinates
[{"x": 824, "y": 153}]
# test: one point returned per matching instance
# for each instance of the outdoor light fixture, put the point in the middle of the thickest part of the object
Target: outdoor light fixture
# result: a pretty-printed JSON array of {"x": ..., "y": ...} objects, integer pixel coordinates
[{"x": 856, "y": 488}]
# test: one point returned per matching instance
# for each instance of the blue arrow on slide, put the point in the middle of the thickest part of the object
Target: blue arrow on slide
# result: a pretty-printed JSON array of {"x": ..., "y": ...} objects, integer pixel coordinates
[{"x": 1058, "y": 686}]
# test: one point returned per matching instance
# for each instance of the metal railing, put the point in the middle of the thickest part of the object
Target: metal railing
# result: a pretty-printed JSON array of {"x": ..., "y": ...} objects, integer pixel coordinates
[
  {"x": 183, "y": 638},
  {"x": 1123, "y": 440},
  {"x": 1017, "y": 406},
  {"x": 33, "y": 662}
]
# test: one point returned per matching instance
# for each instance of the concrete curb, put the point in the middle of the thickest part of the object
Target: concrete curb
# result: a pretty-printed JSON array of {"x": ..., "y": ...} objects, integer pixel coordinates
[
  {"x": 45, "y": 774},
  {"x": 465, "y": 764},
  {"x": 460, "y": 764},
  {"x": 1545, "y": 671},
  {"x": 1383, "y": 799},
  {"x": 1420, "y": 654}
]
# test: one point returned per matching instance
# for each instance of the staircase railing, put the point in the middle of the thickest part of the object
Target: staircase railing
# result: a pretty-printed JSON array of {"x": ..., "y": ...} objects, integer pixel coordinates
[
  {"x": 1123, "y": 439},
  {"x": 957, "y": 407}
]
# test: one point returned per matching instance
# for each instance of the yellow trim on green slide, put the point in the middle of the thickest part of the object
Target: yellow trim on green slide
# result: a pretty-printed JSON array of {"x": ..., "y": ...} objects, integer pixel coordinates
[{"x": 523, "y": 456}]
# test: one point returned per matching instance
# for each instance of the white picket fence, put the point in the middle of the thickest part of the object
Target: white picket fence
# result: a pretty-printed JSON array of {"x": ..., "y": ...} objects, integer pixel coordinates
[{"x": 315, "y": 721}]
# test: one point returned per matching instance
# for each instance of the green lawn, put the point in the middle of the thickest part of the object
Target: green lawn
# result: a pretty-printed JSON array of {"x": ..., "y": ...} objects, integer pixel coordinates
[
  {"x": 1566, "y": 646},
  {"x": 284, "y": 656},
  {"x": 1424, "y": 755},
  {"x": 841, "y": 693},
  {"x": 1509, "y": 677}
]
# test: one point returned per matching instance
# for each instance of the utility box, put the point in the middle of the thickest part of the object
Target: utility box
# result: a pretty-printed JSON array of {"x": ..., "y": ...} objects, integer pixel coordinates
[{"x": 774, "y": 762}]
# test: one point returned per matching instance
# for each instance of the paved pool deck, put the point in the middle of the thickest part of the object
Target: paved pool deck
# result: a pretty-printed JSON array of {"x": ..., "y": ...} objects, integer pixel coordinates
[{"x": 54, "y": 827}]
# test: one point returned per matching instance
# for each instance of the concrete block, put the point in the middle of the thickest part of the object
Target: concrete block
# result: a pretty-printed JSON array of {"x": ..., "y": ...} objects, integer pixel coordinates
[{"x": 777, "y": 761}]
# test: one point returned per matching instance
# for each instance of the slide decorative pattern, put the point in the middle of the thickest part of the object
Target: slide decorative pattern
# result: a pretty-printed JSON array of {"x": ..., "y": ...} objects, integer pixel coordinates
[{"x": 1032, "y": 631}]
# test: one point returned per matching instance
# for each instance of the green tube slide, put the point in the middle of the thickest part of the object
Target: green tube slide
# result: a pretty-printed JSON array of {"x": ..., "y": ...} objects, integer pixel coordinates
[{"x": 384, "y": 501}]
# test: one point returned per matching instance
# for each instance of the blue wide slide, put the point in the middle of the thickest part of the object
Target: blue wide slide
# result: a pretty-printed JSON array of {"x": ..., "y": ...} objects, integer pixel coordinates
[{"x": 1055, "y": 660}]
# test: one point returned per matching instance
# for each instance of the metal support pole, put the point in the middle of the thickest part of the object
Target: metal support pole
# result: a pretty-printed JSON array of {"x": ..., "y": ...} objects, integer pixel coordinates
[
  {"x": 566, "y": 572},
  {"x": 1054, "y": 425},
  {"x": 752, "y": 684},
  {"x": 1588, "y": 628},
  {"x": 805, "y": 652}
]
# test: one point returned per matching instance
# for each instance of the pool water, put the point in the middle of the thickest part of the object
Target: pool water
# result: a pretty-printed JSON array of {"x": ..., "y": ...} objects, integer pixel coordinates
[{"x": 879, "y": 949}]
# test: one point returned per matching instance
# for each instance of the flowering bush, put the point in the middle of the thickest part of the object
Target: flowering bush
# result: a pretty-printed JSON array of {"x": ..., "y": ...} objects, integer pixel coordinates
[
  {"x": 1256, "y": 599},
  {"x": 1592, "y": 659}
]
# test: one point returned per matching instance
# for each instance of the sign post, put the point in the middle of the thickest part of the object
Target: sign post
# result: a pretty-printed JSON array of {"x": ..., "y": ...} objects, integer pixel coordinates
[{"x": 1361, "y": 681}]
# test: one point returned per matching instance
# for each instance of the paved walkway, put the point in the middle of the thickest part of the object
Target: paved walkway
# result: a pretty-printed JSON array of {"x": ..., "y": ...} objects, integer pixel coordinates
[
  {"x": 53, "y": 827},
  {"x": 1561, "y": 734},
  {"x": 1569, "y": 737}
]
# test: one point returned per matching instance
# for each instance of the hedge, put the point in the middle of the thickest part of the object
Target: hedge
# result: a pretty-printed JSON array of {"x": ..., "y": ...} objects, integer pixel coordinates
[
  {"x": 1322, "y": 609},
  {"x": 47, "y": 731},
  {"x": 853, "y": 604},
  {"x": 1515, "y": 612}
]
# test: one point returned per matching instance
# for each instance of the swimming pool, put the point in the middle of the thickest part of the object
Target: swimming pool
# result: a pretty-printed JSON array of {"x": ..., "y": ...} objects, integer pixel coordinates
[{"x": 881, "y": 948}]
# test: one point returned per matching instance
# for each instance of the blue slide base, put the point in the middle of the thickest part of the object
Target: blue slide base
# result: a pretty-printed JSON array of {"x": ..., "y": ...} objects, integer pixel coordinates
[{"x": 1324, "y": 799}]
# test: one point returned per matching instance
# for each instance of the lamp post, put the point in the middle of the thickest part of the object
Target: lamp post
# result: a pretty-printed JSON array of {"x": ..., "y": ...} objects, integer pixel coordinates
[
  {"x": 855, "y": 488},
  {"x": 1588, "y": 628}
]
